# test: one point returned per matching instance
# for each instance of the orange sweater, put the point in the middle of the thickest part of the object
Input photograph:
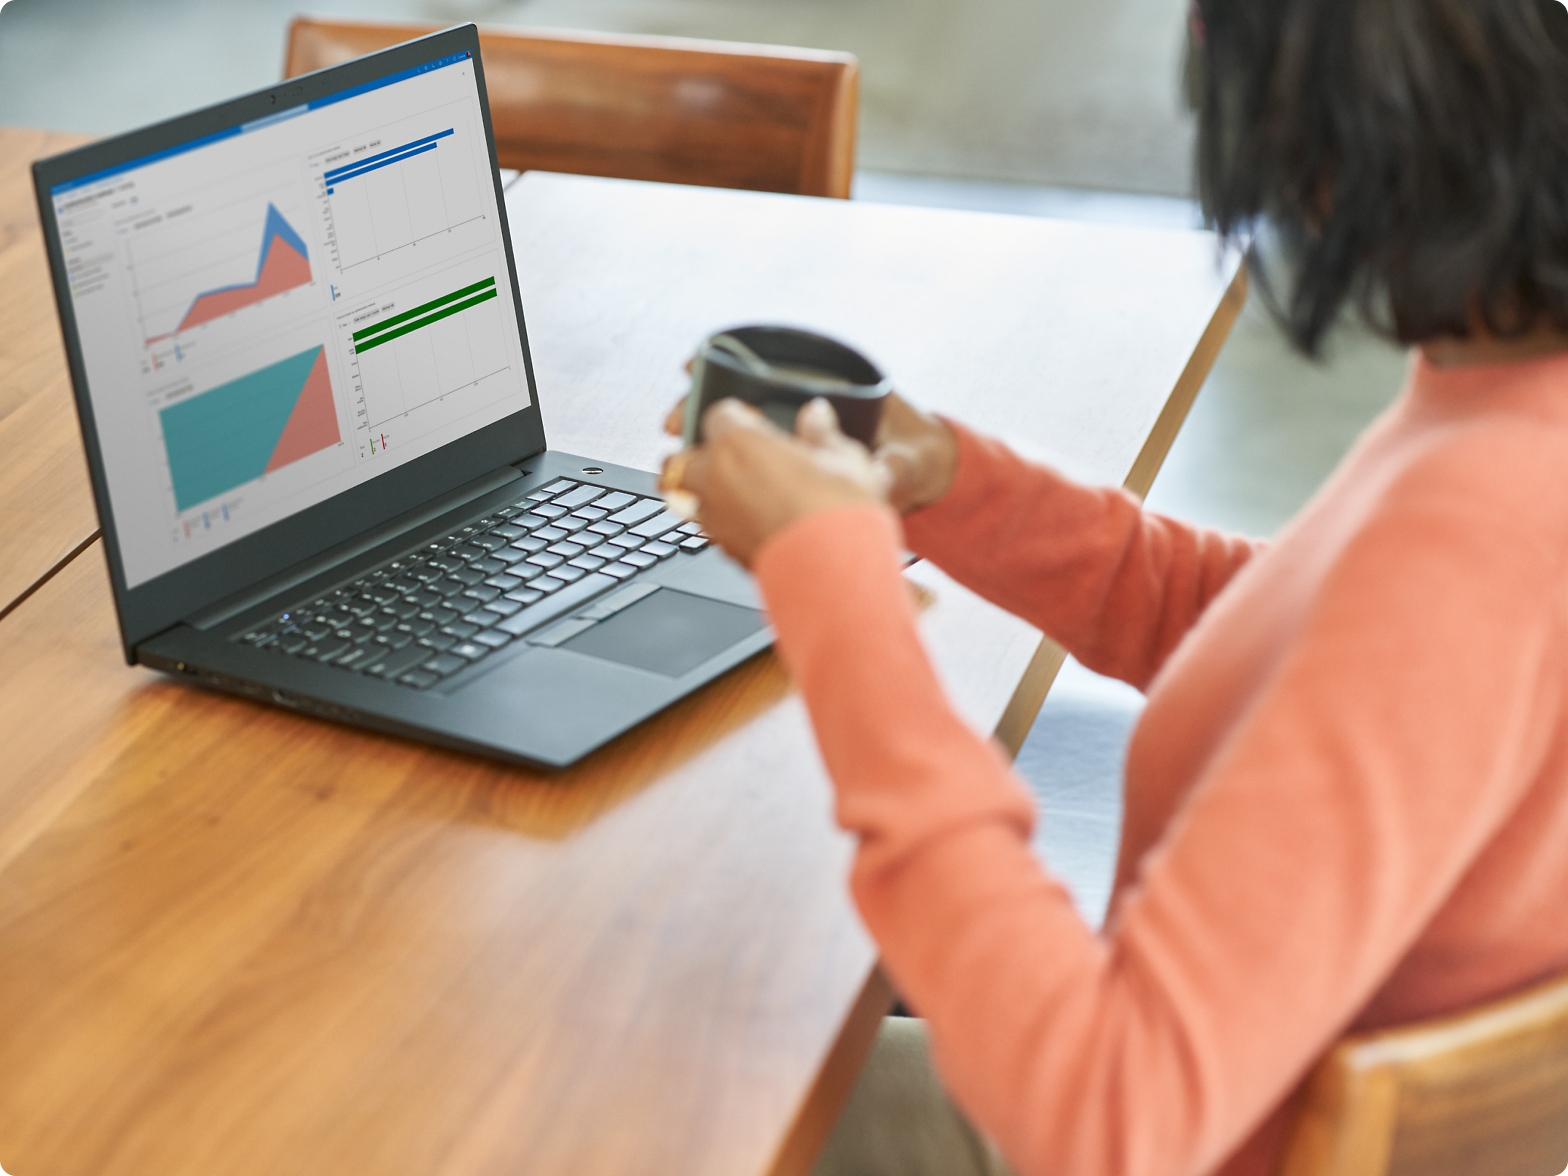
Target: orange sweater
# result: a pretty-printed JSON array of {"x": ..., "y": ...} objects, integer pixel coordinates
[{"x": 1346, "y": 801}]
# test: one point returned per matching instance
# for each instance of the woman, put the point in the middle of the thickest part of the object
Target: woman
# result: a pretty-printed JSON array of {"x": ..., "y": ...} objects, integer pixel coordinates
[{"x": 1347, "y": 797}]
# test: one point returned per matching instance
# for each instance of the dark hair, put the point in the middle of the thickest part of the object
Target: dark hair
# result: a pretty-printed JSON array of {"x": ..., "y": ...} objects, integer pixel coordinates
[{"x": 1406, "y": 156}]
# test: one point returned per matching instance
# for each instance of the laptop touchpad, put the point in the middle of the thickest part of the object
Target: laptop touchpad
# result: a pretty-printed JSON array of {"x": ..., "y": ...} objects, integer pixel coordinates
[{"x": 669, "y": 632}]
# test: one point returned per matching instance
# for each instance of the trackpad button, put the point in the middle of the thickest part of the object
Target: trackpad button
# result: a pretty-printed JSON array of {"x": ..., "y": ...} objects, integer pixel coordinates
[{"x": 668, "y": 632}]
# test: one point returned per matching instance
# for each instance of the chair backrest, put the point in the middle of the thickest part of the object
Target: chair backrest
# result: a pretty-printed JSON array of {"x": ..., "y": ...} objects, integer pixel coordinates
[
  {"x": 1480, "y": 1093},
  {"x": 644, "y": 108}
]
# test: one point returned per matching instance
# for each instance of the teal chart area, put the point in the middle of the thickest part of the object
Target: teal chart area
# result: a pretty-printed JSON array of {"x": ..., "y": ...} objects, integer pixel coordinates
[{"x": 233, "y": 434}]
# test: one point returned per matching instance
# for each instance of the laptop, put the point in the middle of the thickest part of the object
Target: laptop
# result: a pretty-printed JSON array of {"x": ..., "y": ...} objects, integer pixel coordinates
[{"x": 299, "y": 360}]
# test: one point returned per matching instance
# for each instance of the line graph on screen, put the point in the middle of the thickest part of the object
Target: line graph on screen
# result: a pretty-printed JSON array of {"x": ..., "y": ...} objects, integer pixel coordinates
[{"x": 282, "y": 265}]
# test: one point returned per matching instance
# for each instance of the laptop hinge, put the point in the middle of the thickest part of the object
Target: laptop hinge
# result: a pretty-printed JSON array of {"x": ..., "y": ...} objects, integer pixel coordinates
[{"x": 234, "y": 605}]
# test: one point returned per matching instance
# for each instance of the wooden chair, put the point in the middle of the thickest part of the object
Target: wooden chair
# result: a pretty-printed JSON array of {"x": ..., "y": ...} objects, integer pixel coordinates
[
  {"x": 645, "y": 108},
  {"x": 1481, "y": 1093}
]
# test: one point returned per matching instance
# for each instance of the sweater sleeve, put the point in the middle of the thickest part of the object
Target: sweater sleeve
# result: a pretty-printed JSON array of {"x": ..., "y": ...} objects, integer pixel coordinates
[
  {"x": 1383, "y": 753},
  {"x": 1068, "y": 558}
]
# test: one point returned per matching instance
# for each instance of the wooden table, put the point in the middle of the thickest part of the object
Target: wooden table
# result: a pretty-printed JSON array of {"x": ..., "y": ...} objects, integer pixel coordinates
[{"x": 237, "y": 940}]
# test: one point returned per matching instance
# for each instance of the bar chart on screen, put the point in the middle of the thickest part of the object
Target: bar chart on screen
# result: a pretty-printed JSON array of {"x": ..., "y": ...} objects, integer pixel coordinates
[
  {"x": 428, "y": 354},
  {"x": 384, "y": 196},
  {"x": 246, "y": 428}
]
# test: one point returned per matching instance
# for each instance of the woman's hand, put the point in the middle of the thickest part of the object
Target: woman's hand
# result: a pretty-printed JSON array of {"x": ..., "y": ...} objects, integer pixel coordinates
[
  {"x": 752, "y": 480},
  {"x": 918, "y": 453}
]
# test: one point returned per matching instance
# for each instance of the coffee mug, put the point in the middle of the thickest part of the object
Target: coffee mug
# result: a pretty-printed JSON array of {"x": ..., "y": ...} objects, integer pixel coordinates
[{"x": 779, "y": 370}]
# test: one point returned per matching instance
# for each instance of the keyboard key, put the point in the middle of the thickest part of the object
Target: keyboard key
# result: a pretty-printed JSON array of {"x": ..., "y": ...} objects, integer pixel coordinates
[
  {"x": 571, "y": 524},
  {"x": 533, "y": 522},
  {"x": 395, "y": 640},
  {"x": 384, "y": 592},
  {"x": 581, "y": 496},
  {"x": 440, "y": 642},
  {"x": 694, "y": 543},
  {"x": 380, "y": 622},
  {"x": 620, "y": 571},
  {"x": 615, "y": 500},
  {"x": 592, "y": 513},
  {"x": 656, "y": 526},
  {"x": 639, "y": 559},
  {"x": 530, "y": 545},
  {"x": 493, "y": 639},
  {"x": 393, "y": 663},
  {"x": 439, "y": 616},
  {"x": 504, "y": 582},
  {"x": 509, "y": 555},
  {"x": 468, "y": 576},
  {"x": 445, "y": 562},
  {"x": 606, "y": 528},
  {"x": 550, "y": 534},
  {"x": 508, "y": 532},
  {"x": 449, "y": 587},
  {"x": 628, "y": 541},
  {"x": 424, "y": 597},
  {"x": 691, "y": 528},
  {"x": 462, "y": 630},
  {"x": 417, "y": 628},
  {"x": 566, "y": 549},
  {"x": 291, "y": 643},
  {"x": 559, "y": 486},
  {"x": 660, "y": 550},
  {"x": 547, "y": 584},
  {"x": 489, "y": 542},
  {"x": 468, "y": 551},
  {"x": 470, "y": 650},
  {"x": 546, "y": 559},
  {"x": 550, "y": 510},
  {"x": 554, "y": 606},
  {"x": 356, "y": 657},
  {"x": 527, "y": 571},
  {"x": 418, "y": 679},
  {"x": 606, "y": 551},
  {"x": 483, "y": 593},
  {"x": 325, "y": 649},
  {"x": 489, "y": 565},
  {"x": 361, "y": 606},
  {"x": 503, "y": 607},
  {"x": 568, "y": 573},
  {"x": 507, "y": 512},
  {"x": 401, "y": 609},
  {"x": 588, "y": 563},
  {"x": 444, "y": 664},
  {"x": 404, "y": 587},
  {"x": 643, "y": 509},
  {"x": 525, "y": 596}
]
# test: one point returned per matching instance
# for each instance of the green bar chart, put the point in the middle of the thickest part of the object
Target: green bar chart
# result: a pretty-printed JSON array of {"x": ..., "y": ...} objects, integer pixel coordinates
[
  {"x": 234, "y": 433},
  {"x": 423, "y": 316}
]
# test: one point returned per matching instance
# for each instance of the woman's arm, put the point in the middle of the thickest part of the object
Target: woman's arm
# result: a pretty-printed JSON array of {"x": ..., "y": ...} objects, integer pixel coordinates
[
  {"x": 1116, "y": 585},
  {"x": 1373, "y": 766}
]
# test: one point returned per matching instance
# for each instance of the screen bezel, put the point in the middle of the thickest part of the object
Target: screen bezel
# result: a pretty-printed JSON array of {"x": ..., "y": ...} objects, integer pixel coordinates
[{"x": 164, "y": 601}]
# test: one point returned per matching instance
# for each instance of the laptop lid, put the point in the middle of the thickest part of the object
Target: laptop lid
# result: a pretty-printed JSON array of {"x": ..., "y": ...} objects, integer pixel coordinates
[{"x": 289, "y": 318}]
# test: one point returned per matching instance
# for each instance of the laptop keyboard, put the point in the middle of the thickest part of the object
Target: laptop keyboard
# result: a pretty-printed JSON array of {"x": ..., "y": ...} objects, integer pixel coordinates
[{"x": 430, "y": 613}]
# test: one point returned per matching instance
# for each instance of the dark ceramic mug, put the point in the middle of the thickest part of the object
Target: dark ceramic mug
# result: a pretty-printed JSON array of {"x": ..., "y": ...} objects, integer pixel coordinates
[{"x": 779, "y": 370}]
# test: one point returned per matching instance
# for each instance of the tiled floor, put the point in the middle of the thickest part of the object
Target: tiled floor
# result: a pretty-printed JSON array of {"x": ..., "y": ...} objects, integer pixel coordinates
[{"x": 956, "y": 86}]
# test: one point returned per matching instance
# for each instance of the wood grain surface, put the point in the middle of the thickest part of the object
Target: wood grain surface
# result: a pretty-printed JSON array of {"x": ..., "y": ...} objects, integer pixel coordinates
[
  {"x": 236, "y": 939},
  {"x": 765, "y": 117},
  {"x": 1485, "y": 1090},
  {"x": 46, "y": 509}
]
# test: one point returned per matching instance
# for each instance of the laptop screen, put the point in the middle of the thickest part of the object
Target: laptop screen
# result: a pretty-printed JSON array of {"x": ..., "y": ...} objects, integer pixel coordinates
[{"x": 280, "y": 312}]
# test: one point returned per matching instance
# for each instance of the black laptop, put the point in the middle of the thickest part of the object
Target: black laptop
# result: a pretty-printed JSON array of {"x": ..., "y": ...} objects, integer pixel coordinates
[{"x": 305, "y": 391}]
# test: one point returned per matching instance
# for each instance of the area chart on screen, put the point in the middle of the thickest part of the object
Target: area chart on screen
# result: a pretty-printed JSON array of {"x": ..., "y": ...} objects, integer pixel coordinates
[
  {"x": 227, "y": 436},
  {"x": 284, "y": 264}
]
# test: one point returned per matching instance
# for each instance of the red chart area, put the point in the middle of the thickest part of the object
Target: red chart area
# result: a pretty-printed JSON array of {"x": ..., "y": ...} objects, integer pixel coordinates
[
  {"x": 313, "y": 425},
  {"x": 284, "y": 265}
]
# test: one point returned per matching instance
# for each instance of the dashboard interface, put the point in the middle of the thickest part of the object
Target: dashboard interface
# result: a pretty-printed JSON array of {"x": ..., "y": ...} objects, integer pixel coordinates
[{"x": 277, "y": 313}]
